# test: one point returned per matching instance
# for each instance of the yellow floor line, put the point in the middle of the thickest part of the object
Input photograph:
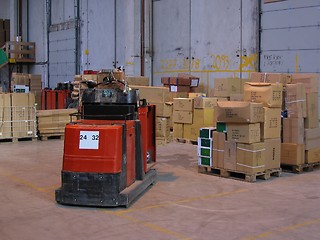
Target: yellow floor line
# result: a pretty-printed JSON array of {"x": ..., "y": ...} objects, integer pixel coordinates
[
  {"x": 186, "y": 200},
  {"x": 283, "y": 229},
  {"x": 150, "y": 225},
  {"x": 28, "y": 184}
]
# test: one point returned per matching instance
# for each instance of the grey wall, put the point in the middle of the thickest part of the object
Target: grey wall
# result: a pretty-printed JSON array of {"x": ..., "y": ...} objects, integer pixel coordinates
[
  {"x": 290, "y": 36},
  {"x": 206, "y": 38},
  {"x": 4, "y": 9}
]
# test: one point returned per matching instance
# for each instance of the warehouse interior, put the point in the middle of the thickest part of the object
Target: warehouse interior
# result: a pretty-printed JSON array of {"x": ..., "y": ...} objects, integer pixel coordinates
[{"x": 159, "y": 119}]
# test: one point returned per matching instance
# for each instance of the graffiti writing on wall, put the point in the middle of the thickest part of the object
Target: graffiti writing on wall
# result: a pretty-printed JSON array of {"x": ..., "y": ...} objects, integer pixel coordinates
[
  {"x": 216, "y": 63},
  {"x": 220, "y": 62},
  {"x": 272, "y": 60}
]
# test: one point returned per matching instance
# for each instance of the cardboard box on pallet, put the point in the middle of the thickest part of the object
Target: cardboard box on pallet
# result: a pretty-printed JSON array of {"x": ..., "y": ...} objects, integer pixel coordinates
[
  {"x": 292, "y": 154},
  {"x": 243, "y": 132},
  {"x": 271, "y": 77},
  {"x": 153, "y": 94},
  {"x": 230, "y": 156},
  {"x": 239, "y": 112},
  {"x": 183, "y": 104},
  {"x": 218, "y": 149},
  {"x": 295, "y": 100},
  {"x": 137, "y": 80},
  {"x": 271, "y": 126},
  {"x": 163, "y": 109},
  {"x": 194, "y": 81},
  {"x": 182, "y": 117},
  {"x": 5, "y": 116},
  {"x": 312, "y": 155},
  {"x": 269, "y": 94},
  {"x": 236, "y": 97},
  {"x": 310, "y": 80},
  {"x": 162, "y": 127},
  {"x": 204, "y": 102},
  {"x": 194, "y": 95},
  {"x": 191, "y": 131},
  {"x": 251, "y": 157},
  {"x": 224, "y": 87},
  {"x": 312, "y": 119},
  {"x": 204, "y": 116},
  {"x": 177, "y": 88},
  {"x": 312, "y": 138},
  {"x": 293, "y": 130},
  {"x": 178, "y": 130},
  {"x": 273, "y": 152}
]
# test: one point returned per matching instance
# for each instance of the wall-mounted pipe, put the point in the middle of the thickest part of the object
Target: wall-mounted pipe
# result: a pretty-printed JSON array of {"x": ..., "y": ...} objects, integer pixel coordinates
[{"x": 142, "y": 38}]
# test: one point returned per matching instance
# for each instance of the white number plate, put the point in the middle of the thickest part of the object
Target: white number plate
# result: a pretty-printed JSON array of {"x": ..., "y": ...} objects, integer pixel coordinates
[{"x": 89, "y": 140}]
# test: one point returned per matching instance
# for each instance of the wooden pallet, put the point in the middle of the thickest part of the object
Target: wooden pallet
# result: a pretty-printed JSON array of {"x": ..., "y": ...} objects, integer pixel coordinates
[
  {"x": 306, "y": 167},
  {"x": 240, "y": 175},
  {"x": 46, "y": 137},
  {"x": 19, "y": 52},
  {"x": 15, "y": 140},
  {"x": 183, "y": 140}
]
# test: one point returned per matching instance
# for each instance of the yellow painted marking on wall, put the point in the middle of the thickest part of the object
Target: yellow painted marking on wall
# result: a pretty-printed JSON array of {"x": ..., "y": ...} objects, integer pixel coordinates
[
  {"x": 208, "y": 83},
  {"x": 283, "y": 229},
  {"x": 86, "y": 52},
  {"x": 203, "y": 71},
  {"x": 248, "y": 61},
  {"x": 130, "y": 63},
  {"x": 185, "y": 200},
  {"x": 297, "y": 63}
]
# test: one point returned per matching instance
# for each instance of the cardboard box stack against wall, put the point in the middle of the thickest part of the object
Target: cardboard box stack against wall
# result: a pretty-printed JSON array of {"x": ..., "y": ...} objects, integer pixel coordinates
[{"x": 163, "y": 99}]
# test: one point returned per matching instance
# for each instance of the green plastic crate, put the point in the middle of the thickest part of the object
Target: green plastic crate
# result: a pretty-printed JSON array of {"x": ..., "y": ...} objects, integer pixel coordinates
[
  {"x": 205, "y": 161},
  {"x": 206, "y": 132},
  {"x": 221, "y": 127},
  {"x": 205, "y": 142}
]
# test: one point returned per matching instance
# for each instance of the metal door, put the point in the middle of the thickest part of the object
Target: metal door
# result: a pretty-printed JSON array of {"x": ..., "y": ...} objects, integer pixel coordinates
[
  {"x": 171, "y": 38},
  {"x": 206, "y": 38}
]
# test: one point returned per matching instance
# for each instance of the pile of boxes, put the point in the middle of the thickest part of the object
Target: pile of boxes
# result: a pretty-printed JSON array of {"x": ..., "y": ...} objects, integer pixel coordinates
[
  {"x": 162, "y": 98},
  {"x": 181, "y": 83},
  {"x": 25, "y": 83},
  {"x": 17, "y": 115},
  {"x": 247, "y": 137},
  {"x": 301, "y": 132},
  {"x": 191, "y": 114},
  {"x": 4, "y": 31},
  {"x": 53, "y": 122}
]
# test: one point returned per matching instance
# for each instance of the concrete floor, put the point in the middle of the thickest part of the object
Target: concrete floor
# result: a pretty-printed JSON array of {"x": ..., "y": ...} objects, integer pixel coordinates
[{"x": 183, "y": 204}]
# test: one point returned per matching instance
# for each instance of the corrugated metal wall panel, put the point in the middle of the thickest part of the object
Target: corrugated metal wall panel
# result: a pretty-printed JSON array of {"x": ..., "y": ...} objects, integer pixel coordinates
[
  {"x": 289, "y": 36},
  {"x": 62, "y": 66}
]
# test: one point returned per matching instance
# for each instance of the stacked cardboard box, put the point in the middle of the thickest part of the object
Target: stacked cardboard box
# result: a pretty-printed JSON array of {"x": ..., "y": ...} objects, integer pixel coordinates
[
  {"x": 18, "y": 118},
  {"x": 192, "y": 114},
  {"x": 228, "y": 87},
  {"x": 162, "y": 99},
  {"x": 238, "y": 146},
  {"x": 4, "y": 31},
  {"x": 53, "y": 122},
  {"x": 181, "y": 83},
  {"x": 28, "y": 82},
  {"x": 137, "y": 80},
  {"x": 300, "y": 110},
  {"x": 301, "y": 133},
  {"x": 270, "y": 95}
]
